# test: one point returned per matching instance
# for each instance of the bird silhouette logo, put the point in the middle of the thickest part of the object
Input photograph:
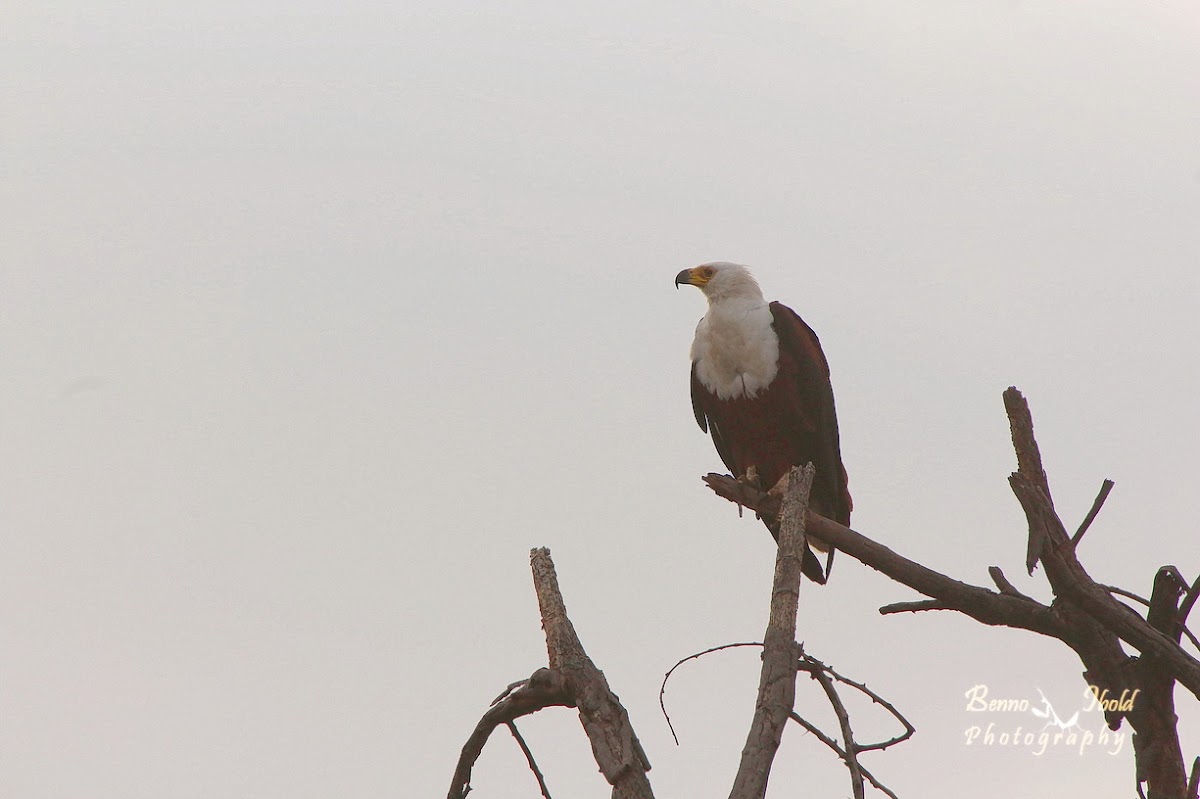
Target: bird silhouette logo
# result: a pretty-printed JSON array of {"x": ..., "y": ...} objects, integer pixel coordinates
[{"x": 1052, "y": 718}]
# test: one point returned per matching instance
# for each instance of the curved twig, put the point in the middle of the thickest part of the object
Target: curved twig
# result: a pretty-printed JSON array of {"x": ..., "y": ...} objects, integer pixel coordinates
[
  {"x": 909, "y": 729},
  {"x": 832, "y": 744},
  {"x": 662, "y": 690}
]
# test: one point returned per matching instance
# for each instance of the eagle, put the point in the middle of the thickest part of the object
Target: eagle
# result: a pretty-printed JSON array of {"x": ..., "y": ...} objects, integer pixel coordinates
[{"x": 761, "y": 388}]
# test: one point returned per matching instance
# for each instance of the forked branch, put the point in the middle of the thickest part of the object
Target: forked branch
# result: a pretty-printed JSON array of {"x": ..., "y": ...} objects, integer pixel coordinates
[{"x": 571, "y": 681}]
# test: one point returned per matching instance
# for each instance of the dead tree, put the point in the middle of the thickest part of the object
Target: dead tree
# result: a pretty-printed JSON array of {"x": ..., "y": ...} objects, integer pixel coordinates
[{"x": 1084, "y": 615}]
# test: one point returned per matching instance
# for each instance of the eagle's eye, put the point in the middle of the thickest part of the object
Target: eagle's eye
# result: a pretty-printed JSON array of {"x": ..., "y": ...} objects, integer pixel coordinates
[{"x": 707, "y": 272}]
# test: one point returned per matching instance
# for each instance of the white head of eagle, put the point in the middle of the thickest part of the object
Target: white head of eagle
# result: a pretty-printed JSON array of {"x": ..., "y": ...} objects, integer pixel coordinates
[{"x": 736, "y": 349}]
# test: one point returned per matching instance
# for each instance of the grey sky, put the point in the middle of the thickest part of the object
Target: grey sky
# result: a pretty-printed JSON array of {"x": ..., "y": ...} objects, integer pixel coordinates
[{"x": 314, "y": 318}]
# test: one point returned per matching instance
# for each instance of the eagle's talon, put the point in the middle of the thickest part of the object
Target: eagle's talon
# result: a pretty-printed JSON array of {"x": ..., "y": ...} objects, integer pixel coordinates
[{"x": 750, "y": 478}]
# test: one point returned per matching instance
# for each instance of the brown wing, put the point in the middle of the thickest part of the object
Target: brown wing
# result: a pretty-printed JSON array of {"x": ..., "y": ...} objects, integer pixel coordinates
[
  {"x": 702, "y": 406},
  {"x": 806, "y": 390}
]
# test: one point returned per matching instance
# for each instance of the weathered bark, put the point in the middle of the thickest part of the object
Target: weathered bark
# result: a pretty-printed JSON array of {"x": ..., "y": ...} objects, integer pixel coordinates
[
  {"x": 777, "y": 681},
  {"x": 571, "y": 681},
  {"x": 605, "y": 720}
]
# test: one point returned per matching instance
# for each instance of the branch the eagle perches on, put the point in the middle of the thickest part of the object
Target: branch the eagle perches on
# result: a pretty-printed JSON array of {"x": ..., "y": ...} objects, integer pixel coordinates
[{"x": 1084, "y": 615}]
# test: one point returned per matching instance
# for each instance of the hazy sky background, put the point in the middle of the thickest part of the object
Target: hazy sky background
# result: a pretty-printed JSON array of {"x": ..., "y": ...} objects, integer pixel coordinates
[{"x": 315, "y": 317}]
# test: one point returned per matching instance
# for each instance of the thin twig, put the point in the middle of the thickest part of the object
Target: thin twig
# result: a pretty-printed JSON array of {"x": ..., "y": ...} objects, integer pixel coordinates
[
  {"x": 839, "y": 709},
  {"x": 529, "y": 759},
  {"x": 832, "y": 744},
  {"x": 663, "y": 688},
  {"x": 811, "y": 665},
  {"x": 508, "y": 690},
  {"x": 1142, "y": 600},
  {"x": 1098, "y": 503},
  {"x": 909, "y": 729},
  {"x": 1194, "y": 781},
  {"x": 1189, "y": 600},
  {"x": 1185, "y": 607}
]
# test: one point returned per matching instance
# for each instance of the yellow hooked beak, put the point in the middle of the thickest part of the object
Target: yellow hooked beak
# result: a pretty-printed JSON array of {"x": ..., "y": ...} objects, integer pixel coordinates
[{"x": 696, "y": 276}]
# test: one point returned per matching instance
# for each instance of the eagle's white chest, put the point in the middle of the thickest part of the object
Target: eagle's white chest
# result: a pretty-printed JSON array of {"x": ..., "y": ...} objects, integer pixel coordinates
[{"x": 736, "y": 351}]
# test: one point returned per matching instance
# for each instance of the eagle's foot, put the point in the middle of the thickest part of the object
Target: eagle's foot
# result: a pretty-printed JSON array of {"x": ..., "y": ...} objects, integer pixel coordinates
[{"x": 750, "y": 477}]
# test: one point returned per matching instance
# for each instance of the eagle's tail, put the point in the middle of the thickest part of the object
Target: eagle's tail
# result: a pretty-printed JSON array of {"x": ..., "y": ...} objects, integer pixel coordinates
[{"x": 811, "y": 566}]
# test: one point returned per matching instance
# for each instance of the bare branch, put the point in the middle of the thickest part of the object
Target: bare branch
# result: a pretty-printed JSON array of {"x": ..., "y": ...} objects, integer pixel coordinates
[
  {"x": 512, "y": 727},
  {"x": 662, "y": 690},
  {"x": 1158, "y": 758},
  {"x": 1071, "y": 582},
  {"x": 914, "y": 607},
  {"x": 1097, "y": 620},
  {"x": 812, "y": 665},
  {"x": 1185, "y": 607},
  {"x": 909, "y": 729},
  {"x": 832, "y": 744},
  {"x": 851, "y": 748},
  {"x": 512, "y": 686},
  {"x": 777, "y": 683},
  {"x": 1029, "y": 466},
  {"x": 1105, "y": 487},
  {"x": 990, "y": 607},
  {"x": 1143, "y": 601},
  {"x": 571, "y": 681},
  {"x": 1029, "y": 456},
  {"x": 1115, "y": 589},
  {"x": 614, "y": 744},
  {"x": 544, "y": 689},
  {"x": 980, "y": 604},
  {"x": 1189, "y": 601},
  {"x": 1004, "y": 585}
]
